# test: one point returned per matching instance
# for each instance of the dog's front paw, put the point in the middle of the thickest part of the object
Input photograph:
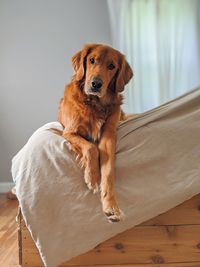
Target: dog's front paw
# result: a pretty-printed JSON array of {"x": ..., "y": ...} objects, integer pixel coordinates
[{"x": 112, "y": 211}]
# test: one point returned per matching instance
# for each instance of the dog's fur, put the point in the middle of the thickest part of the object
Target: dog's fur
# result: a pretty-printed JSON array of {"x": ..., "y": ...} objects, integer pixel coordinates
[{"x": 90, "y": 118}]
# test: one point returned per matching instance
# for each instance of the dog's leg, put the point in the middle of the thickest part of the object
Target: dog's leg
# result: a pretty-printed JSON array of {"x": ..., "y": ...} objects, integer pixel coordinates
[
  {"x": 88, "y": 154},
  {"x": 107, "y": 162}
]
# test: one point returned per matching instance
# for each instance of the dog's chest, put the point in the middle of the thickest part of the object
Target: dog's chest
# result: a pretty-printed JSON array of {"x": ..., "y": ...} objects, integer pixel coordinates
[
  {"x": 95, "y": 130},
  {"x": 94, "y": 122}
]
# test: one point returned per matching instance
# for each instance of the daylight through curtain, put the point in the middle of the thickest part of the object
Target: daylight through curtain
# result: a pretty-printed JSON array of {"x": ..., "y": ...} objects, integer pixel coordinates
[{"x": 161, "y": 39}]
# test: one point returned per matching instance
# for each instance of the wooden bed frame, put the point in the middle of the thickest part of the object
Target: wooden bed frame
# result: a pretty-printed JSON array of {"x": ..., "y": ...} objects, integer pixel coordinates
[{"x": 168, "y": 240}]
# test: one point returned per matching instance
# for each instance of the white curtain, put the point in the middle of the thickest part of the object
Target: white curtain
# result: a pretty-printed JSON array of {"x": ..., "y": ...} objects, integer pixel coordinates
[{"x": 161, "y": 40}]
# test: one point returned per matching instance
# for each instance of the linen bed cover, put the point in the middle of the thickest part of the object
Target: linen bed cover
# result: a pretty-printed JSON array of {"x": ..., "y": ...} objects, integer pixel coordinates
[{"x": 157, "y": 168}]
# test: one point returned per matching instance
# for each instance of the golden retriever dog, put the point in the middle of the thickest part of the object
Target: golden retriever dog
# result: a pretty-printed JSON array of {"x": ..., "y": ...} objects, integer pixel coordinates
[{"x": 90, "y": 112}]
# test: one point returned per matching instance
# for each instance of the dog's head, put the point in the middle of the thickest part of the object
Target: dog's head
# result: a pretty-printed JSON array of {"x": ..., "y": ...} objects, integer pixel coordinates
[{"x": 101, "y": 68}]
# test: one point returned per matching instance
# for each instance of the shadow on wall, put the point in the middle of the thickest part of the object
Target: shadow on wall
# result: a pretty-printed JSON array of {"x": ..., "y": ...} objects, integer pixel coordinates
[{"x": 38, "y": 39}]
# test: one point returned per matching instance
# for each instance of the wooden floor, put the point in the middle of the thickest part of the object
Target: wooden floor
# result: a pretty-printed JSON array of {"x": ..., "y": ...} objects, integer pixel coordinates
[{"x": 8, "y": 232}]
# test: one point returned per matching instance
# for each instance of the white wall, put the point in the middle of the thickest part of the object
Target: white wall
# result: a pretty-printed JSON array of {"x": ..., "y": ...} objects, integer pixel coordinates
[{"x": 37, "y": 40}]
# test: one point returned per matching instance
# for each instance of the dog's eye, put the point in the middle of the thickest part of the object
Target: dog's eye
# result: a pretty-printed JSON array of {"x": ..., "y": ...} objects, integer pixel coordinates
[
  {"x": 111, "y": 66},
  {"x": 92, "y": 61}
]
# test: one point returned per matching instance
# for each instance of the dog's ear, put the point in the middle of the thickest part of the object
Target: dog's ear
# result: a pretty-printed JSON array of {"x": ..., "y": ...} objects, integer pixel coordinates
[
  {"x": 79, "y": 61},
  {"x": 125, "y": 73}
]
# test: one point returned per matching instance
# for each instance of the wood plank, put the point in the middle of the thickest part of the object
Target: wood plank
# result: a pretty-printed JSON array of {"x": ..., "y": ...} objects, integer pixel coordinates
[
  {"x": 140, "y": 245},
  {"x": 8, "y": 232},
  {"x": 188, "y": 264},
  {"x": 147, "y": 245},
  {"x": 185, "y": 213}
]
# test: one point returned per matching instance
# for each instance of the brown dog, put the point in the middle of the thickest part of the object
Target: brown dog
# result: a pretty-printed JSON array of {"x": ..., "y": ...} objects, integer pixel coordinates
[{"x": 90, "y": 112}]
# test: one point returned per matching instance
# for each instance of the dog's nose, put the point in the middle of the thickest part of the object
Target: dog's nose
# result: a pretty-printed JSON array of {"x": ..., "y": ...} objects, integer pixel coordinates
[{"x": 96, "y": 84}]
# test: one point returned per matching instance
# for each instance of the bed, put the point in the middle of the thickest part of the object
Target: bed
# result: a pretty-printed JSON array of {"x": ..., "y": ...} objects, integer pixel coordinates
[{"x": 157, "y": 169}]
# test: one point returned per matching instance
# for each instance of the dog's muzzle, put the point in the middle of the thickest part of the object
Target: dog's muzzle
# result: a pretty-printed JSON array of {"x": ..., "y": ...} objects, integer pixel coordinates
[{"x": 96, "y": 84}]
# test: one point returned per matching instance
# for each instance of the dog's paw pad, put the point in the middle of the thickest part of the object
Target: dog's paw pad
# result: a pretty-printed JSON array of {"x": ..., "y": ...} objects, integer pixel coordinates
[
  {"x": 108, "y": 214},
  {"x": 113, "y": 215},
  {"x": 113, "y": 219}
]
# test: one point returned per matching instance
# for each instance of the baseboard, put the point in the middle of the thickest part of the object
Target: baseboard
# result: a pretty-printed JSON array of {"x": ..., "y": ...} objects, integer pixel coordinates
[{"x": 6, "y": 187}]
